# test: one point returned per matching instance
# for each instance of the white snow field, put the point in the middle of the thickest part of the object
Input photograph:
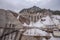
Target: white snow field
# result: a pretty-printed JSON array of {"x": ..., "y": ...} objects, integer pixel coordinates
[{"x": 54, "y": 19}]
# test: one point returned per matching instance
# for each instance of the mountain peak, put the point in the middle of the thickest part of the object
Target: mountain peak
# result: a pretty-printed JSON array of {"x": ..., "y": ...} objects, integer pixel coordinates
[
  {"x": 31, "y": 9},
  {"x": 35, "y": 7}
]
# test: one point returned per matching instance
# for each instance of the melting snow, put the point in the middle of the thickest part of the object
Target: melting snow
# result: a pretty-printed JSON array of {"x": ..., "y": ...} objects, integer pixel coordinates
[
  {"x": 48, "y": 21},
  {"x": 35, "y": 32},
  {"x": 56, "y": 16},
  {"x": 39, "y": 23}
]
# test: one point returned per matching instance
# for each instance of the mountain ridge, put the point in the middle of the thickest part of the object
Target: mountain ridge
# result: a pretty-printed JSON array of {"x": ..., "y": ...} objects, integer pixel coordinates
[{"x": 36, "y": 9}]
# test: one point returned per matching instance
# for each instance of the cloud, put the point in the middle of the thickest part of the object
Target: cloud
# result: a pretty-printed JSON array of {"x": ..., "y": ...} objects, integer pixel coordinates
[
  {"x": 17, "y": 5},
  {"x": 33, "y": 1},
  {"x": 38, "y": 1},
  {"x": 14, "y": 5},
  {"x": 53, "y": 4}
]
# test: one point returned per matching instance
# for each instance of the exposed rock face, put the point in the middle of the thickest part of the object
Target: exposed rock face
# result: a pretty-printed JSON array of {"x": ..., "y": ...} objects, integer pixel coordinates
[
  {"x": 8, "y": 16},
  {"x": 24, "y": 20},
  {"x": 31, "y": 10},
  {"x": 3, "y": 18},
  {"x": 7, "y": 19},
  {"x": 35, "y": 10},
  {"x": 15, "y": 14}
]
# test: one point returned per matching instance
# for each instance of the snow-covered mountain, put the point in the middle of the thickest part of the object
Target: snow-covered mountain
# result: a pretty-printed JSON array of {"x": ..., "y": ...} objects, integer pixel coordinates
[
  {"x": 48, "y": 18},
  {"x": 49, "y": 21}
]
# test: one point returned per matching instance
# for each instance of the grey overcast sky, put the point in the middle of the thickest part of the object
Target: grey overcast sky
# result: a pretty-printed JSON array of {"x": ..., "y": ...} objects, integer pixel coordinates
[{"x": 17, "y": 5}]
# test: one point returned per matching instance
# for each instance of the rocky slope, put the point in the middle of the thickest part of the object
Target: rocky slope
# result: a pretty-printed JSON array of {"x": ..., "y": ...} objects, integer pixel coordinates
[
  {"x": 36, "y": 9},
  {"x": 49, "y": 18},
  {"x": 42, "y": 12}
]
